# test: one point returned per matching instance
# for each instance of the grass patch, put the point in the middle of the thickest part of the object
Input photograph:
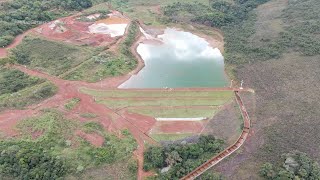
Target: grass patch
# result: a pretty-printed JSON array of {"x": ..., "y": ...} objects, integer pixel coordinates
[
  {"x": 161, "y": 102},
  {"x": 53, "y": 126},
  {"x": 18, "y": 89},
  {"x": 71, "y": 104},
  {"x": 13, "y": 80},
  {"x": 160, "y": 98},
  {"x": 169, "y": 137},
  {"x": 121, "y": 170},
  {"x": 93, "y": 127},
  {"x": 88, "y": 115},
  {"x": 51, "y": 57},
  {"x": 27, "y": 96},
  {"x": 157, "y": 93},
  {"x": 174, "y": 112}
]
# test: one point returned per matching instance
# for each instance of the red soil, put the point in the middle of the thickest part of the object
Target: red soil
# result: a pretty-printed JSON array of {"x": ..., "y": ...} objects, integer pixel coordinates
[
  {"x": 144, "y": 123},
  {"x": 3, "y": 52},
  {"x": 93, "y": 138},
  {"x": 69, "y": 29}
]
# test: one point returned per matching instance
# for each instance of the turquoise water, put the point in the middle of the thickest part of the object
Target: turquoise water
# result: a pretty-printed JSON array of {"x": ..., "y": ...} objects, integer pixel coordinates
[{"x": 183, "y": 60}]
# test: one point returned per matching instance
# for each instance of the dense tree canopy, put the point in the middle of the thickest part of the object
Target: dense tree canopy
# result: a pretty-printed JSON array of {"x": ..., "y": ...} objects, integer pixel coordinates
[
  {"x": 181, "y": 158},
  {"x": 294, "y": 165},
  {"x": 220, "y": 13},
  {"x": 26, "y": 160}
]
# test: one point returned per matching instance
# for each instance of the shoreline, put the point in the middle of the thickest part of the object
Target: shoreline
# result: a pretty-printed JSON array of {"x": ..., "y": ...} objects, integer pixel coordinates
[
  {"x": 213, "y": 43},
  {"x": 140, "y": 62}
]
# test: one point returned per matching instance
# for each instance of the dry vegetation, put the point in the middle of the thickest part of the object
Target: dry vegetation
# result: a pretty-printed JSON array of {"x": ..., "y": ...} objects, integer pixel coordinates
[
  {"x": 226, "y": 124},
  {"x": 284, "y": 108}
]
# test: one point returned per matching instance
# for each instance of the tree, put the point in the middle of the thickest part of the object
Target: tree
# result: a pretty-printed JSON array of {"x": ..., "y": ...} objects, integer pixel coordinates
[
  {"x": 267, "y": 171},
  {"x": 173, "y": 158},
  {"x": 295, "y": 165}
]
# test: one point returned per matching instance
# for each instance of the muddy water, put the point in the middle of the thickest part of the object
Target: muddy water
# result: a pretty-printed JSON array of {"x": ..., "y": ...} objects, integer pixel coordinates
[{"x": 183, "y": 60}]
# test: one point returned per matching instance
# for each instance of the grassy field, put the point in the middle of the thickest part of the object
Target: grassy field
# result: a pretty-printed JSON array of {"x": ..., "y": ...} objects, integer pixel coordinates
[
  {"x": 57, "y": 136},
  {"x": 157, "y": 93},
  {"x": 159, "y": 98},
  {"x": 188, "y": 112},
  {"x": 72, "y": 103},
  {"x": 169, "y": 137},
  {"x": 163, "y": 102},
  {"x": 51, "y": 57},
  {"x": 19, "y": 89},
  {"x": 107, "y": 63}
]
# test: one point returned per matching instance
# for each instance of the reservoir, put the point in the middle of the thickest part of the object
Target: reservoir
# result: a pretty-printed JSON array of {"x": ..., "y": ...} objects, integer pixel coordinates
[{"x": 181, "y": 60}]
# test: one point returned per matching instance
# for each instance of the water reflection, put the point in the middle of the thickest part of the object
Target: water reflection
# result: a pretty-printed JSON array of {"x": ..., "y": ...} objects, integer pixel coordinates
[{"x": 183, "y": 60}]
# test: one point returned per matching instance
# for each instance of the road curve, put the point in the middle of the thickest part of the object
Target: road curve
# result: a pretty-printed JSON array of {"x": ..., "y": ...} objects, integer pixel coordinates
[{"x": 228, "y": 151}]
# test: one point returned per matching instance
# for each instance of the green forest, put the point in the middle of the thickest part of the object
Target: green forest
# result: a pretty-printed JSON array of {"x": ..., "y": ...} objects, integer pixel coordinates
[
  {"x": 181, "y": 158},
  {"x": 18, "y": 16},
  {"x": 293, "y": 165}
]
